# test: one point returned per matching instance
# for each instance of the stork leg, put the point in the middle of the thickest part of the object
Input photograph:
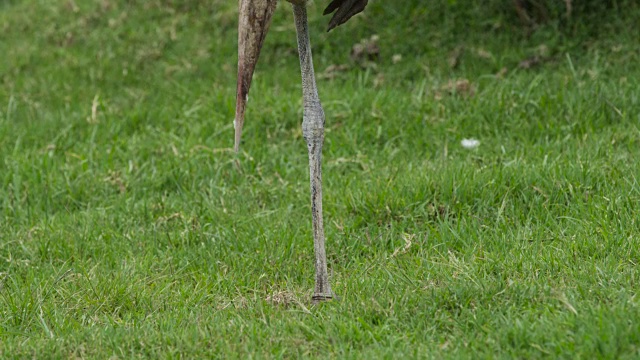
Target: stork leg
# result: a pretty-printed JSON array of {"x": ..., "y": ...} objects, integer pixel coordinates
[{"x": 313, "y": 132}]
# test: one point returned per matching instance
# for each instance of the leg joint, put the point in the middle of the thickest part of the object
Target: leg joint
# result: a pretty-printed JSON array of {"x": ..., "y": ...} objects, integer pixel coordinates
[{"x": 313, "y": 124}]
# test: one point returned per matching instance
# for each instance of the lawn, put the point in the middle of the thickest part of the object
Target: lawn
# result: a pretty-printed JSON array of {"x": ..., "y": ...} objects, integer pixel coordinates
[{"x": 127, "y": 230}]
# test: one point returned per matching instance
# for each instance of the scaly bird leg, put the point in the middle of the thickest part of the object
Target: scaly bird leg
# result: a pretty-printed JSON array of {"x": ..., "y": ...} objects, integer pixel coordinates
[{"x": 313, "y": 132}]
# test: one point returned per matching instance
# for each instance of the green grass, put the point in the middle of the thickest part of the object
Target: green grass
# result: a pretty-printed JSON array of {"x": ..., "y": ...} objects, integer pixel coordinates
[{"x": 126, "y": 230}]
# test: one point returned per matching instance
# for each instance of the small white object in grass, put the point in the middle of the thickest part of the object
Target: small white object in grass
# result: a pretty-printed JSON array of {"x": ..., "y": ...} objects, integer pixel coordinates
[
  {"x": 470, "y": 143},
  {"x": 234, "y": 124}
]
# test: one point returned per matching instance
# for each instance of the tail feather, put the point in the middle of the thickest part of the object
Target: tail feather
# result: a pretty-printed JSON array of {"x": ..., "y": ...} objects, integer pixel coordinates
[
  {"x": 345, "y": 10},
  {"x": 253, "y": 25}
]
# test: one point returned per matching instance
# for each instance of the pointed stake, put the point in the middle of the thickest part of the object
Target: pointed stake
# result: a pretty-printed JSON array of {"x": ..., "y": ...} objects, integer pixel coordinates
[{"x": 313, "y": 131}]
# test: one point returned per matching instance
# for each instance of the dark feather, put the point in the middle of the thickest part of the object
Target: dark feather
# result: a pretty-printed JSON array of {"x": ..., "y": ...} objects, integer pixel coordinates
[{"x": 344, "y": 9}]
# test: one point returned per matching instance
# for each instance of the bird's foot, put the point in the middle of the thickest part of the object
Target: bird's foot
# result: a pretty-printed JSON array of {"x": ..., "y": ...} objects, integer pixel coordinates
[{"x": 319, "y": 298}]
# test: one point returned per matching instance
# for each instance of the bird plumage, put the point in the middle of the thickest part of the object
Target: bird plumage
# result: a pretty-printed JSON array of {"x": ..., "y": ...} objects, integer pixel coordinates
[
  {"x": 253, "y": 25},
  {"x": 254, "y": 20},
  {"x": 344, "y": 10}
]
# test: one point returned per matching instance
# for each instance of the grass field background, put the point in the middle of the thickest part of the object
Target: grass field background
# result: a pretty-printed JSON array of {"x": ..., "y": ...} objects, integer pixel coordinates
[{"x": 126, "y": 231}]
